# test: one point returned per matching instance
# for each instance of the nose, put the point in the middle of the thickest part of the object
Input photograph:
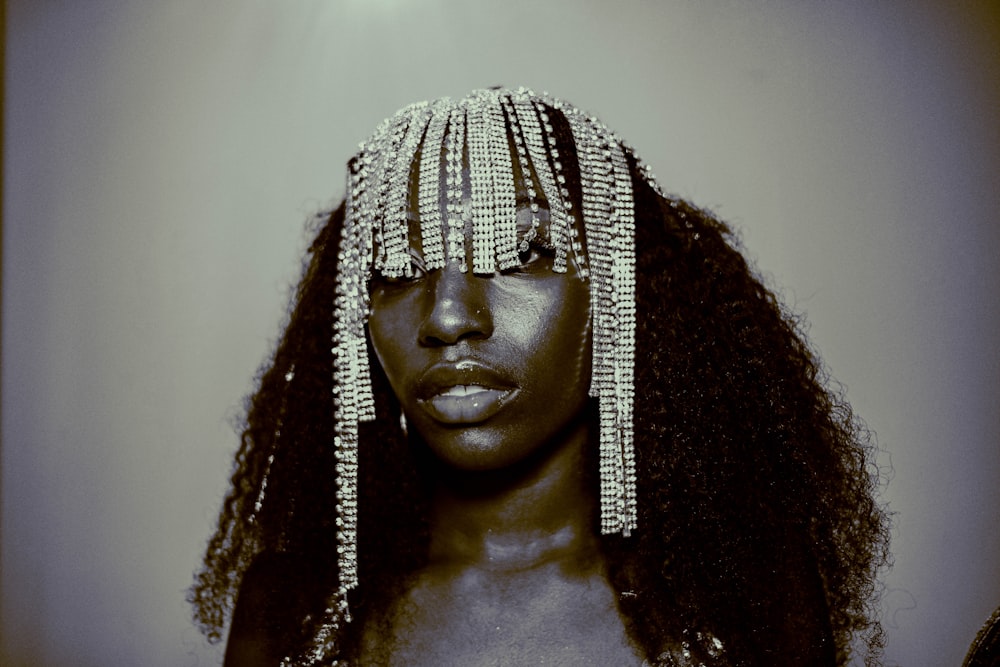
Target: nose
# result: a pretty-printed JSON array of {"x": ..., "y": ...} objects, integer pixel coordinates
[{"x": 458, "y": 307}]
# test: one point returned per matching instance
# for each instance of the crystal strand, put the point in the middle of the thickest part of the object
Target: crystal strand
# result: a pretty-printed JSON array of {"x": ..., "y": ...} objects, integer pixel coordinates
[
  {"x": 358, "y": 246},
  {"x": 480, "y": 185},
  {"x": 526, "y": 176},
  {"x": 504, "y": 189},
  {"x": 561, "y": 208},
  {"x": 381, "y": 175},
  {"x": 395, "y": 223},
  {"x": 455, "y": 147},
  {"x": 599, "y": 239},
  {"x": 535, "y": 143},
  {"x": 624, "y": 288},
  {"x": 428, "y": 198}
]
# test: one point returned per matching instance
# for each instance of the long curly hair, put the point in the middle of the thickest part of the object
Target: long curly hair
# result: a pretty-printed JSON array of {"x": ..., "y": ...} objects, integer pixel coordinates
[{"x": 758, "y": 518}]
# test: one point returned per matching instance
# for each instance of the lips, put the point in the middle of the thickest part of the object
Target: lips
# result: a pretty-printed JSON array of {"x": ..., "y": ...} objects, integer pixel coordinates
[{"x": 465, "y": 392}]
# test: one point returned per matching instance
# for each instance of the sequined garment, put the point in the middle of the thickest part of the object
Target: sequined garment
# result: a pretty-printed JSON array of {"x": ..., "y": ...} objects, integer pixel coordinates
[{"x": 692, "y": 651}]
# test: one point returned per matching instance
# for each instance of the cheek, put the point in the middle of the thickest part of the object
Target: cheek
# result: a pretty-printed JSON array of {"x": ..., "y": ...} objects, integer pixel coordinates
[
  {"x": 579, "y": 343},
  {"x": 559, "y": 340},
  {"x": 390, "y": 349},
  {"x": 572, "y": 351}
]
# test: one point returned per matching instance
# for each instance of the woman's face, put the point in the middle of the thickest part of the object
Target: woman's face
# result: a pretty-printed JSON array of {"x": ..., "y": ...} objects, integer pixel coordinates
[{"x": 487, "y": 368}]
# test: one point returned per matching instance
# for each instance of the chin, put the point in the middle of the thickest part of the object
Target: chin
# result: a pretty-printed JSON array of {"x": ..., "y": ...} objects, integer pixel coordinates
[{"x": 476, "y": 450}]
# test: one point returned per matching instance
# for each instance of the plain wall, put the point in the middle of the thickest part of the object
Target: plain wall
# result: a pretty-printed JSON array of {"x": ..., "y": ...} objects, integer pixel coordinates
[{"x": 160, "y": 159}]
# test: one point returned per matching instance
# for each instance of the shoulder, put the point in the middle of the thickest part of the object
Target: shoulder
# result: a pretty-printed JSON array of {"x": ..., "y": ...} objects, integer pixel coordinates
[{"x": 278, "y": 592}]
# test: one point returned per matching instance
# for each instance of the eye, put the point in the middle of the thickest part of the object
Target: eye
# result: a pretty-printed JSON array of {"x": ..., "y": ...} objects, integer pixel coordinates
[
  {"x": 415, "y": 271},
  {"x": 538, "y": 256}
]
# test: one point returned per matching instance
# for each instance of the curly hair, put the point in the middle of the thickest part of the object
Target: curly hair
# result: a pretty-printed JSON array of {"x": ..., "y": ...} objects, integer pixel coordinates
[{"x": 757, "y": 485}]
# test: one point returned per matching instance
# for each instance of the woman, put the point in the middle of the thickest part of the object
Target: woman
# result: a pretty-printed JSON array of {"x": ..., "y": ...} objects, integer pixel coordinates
[{"x": 568, "y": 426}]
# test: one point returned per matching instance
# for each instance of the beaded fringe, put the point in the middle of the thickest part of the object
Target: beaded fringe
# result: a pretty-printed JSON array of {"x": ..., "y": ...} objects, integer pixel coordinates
[{"x": 479, "y": 133}]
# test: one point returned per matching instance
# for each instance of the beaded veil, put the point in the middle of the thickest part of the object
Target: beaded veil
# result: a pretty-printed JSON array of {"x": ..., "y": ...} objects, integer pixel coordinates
[{"x": 445, "y": 171}]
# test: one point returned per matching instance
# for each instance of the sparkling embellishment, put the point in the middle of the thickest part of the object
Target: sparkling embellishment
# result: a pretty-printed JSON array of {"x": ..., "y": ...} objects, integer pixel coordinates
[
  {"x": 395, "y": 225},
  {"x": 259, "y": 502},
  {"x": 525, "y": 109},
  {"x": 609, "y": 225},
  {"x": 562, "y": 217},
  {"x": 455, "y": 207},
  {"x": 481, "y": 186},
  {"x": 682, "y": 655},
  {"x": 429, "y": 188},
  {"x": 526, "y": 175},
  {"x": 504, "y": 213}
]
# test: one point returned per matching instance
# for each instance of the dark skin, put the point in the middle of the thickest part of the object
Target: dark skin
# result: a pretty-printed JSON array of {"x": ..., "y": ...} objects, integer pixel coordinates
[
  {"x": 757, "y": 525},
  {"x": 492, "y": 373},
  {"x": 515, "y": 575}
]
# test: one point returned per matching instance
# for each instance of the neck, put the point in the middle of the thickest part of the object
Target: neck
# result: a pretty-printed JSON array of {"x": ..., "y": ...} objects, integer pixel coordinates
[{"x": 538, "y": 513}]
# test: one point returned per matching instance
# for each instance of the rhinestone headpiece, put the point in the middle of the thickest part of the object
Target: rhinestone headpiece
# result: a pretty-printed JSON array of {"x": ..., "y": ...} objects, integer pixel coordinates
[{"x": 481, "y": 137}]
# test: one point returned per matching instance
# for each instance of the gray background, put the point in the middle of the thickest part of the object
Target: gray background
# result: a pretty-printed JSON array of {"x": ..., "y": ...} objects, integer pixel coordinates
[{"x": 160, "y": 158}]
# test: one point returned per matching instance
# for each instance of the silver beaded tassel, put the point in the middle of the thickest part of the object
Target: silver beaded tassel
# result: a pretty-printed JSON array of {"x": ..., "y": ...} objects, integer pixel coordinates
[
  {"x": 484, "y": 134},
  {"x": 609, "y": 228}
]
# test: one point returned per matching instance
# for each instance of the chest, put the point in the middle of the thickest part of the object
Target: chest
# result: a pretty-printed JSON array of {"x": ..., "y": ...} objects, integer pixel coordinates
[{"x": 478, "y": 621}]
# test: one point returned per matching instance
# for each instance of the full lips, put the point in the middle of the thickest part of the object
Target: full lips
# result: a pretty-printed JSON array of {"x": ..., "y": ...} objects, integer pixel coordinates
[
  {"x": 479, "y": 404},
  {"x": 463, "y": 392}
]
